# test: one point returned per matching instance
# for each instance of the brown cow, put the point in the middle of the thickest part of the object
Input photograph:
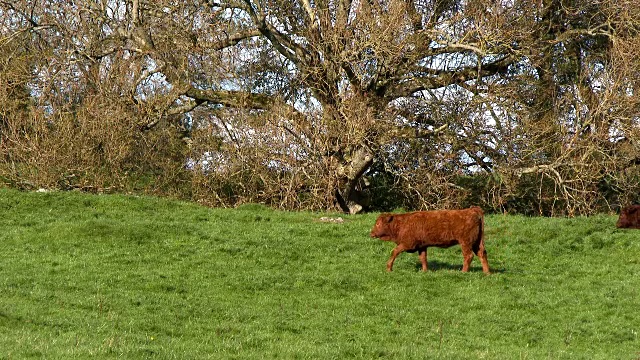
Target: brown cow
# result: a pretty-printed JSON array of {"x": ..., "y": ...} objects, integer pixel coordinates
[
  {"x": 629, "y": 217},
  {"x": 416, "y": 231}
]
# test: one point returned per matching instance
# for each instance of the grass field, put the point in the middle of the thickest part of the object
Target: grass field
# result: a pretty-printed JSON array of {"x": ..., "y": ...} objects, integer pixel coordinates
[{"x": 85, "y": 276}]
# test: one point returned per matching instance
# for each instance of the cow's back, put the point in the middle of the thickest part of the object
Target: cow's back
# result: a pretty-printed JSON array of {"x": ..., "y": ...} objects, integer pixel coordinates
[{"x": 439, "y": 227}]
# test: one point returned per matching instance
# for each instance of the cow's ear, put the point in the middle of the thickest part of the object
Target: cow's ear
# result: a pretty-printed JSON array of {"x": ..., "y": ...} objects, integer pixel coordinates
[{"x": 389, "y": 218}]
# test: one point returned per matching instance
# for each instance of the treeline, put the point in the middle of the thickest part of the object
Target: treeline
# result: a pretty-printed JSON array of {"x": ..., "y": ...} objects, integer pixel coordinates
[{"x": 520, "y": 106}]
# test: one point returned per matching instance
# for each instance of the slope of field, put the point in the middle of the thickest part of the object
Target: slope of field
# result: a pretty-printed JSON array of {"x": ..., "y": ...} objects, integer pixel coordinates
[{"x": 85, "y": 276}]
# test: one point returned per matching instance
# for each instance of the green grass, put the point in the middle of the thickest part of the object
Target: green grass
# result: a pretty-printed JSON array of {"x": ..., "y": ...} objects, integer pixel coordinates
[{"x": 85, "y": 276}]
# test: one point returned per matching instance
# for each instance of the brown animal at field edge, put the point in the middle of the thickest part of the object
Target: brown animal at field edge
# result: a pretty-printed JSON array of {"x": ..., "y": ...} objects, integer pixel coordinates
[
  {"x": 629, "y": 217},
  {"x": 416, "y": 231}
]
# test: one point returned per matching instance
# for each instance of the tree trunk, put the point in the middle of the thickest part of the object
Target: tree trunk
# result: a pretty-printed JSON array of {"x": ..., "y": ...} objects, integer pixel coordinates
[{"x": 347, "y": 195}]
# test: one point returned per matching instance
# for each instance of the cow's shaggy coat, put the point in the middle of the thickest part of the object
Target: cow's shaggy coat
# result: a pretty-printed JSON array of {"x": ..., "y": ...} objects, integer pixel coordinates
[{"x": 629, "y": 217}]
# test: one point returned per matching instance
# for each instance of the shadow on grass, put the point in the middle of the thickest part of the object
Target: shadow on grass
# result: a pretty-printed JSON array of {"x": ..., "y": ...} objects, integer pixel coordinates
[{"x": 439, "y": 265}]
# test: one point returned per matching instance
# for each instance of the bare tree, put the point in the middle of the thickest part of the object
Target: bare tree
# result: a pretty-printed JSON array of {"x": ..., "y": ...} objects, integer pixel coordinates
[
  {"x": 343, "y": 73},
  {"x": 301, "y": 104}
]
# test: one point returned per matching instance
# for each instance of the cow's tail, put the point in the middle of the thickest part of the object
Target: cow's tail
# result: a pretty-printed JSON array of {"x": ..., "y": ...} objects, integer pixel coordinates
[{"x": 479, "y": 243}]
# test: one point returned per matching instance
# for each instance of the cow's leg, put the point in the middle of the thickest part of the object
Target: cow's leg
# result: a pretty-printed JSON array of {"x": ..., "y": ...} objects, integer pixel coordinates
[
  {"x": 482, "y": 253},
  {"x": 423, "y": 258},
  {"x": 467, "y": 254},
  {"x": 398, "y": 249}
]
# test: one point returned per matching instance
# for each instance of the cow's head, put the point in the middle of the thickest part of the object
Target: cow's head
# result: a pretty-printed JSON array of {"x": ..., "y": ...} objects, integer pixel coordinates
[
  {"x": 627, "y": 216},
  {"x": 382, "y": 229}
]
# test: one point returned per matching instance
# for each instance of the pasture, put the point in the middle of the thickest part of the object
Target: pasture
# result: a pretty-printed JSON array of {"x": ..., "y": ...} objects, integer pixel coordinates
[{"x": 87, "y": 276}]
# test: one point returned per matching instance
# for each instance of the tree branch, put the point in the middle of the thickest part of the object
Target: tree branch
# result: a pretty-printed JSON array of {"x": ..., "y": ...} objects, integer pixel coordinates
[
  {"x": 236, "y": 38},
  {"x": 237, "y": 99},
  {"x": 311, "y": 14},
  {"x": 433, "y": 79}
]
